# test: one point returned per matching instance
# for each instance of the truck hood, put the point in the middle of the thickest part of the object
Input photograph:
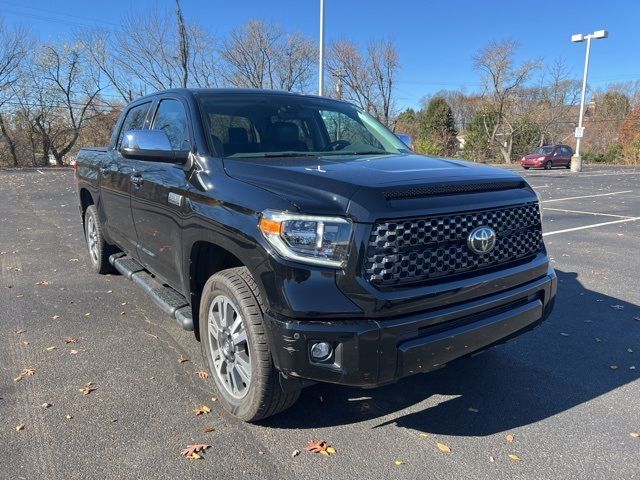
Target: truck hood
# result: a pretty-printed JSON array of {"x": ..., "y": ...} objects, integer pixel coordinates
[{"x": 357, "y": 186}]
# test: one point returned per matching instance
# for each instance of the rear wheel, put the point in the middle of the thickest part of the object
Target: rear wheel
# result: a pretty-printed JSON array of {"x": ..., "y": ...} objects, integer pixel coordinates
[
  {"x": 99, "y": 249},
  {"x": 236, "y": 349},
  {"x": 548, "y": 165}
]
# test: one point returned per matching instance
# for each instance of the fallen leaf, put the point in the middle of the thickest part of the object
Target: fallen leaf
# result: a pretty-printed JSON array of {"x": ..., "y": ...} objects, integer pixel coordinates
[
  {"x": 319, "y": 446},
  {"x": 45, "y": 405},
  {"x": 55, "y": 317},
  {"x": 25, "y": 343},
  {"x": 201, "y": 410},
  {"x": 399, "y": 462},
  {"x": 515, "y": 457},
  {"x": 109, "y": 291},
  {"x": 424, "y": 435},
  {"x": 51, "y": 349},
  {"x": 183, "y": 359},
  {"x": 88, "y": 388},
  {"x": 509, "y": 438},
  {"x": 214, "y": 399},
  {"x": 68, "y": 417},
  {"x": 70, "y": 340},
  {"x": 20, "y": 330},
  {"x": 192, "y": 451},
  {"x": 260, "y": 452},
  {"x": 202, "y": 374},
  {"x": 88, "y": 314},
  {"x": 73, "y": 352},
  {"x": 491, "y": 459},
  {"x": 209, "y": 429},
  {"x": 18, "y": 378},
  {"x": 443, "y": 448},
  {"x": 42, "y": 282},
  {"x": 295, "y": 453},
  {"x": 635, "y": 434},
  {"x": 20, "y": 427},
  {"x": 29, "y": 372}
]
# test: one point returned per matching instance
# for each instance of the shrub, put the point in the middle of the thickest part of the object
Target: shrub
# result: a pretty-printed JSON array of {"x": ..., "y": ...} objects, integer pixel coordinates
[
  {"x": 631, "y": 151},
  {"x": 427, "y": 147}
]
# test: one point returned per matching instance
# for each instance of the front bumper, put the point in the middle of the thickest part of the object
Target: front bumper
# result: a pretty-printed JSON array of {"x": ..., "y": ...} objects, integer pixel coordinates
[{"x": 369, "y": 353}]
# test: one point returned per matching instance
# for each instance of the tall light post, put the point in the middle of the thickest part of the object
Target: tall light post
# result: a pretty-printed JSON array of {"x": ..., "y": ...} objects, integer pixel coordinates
[
  {"x": 321, "y": 51},
  {"x": 576, "y": 159}
]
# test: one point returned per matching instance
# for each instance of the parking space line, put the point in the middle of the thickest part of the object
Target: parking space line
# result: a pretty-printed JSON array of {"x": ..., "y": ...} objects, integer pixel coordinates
[
  {"x": 566, "y": 230},
  {"x": 586, "y": 196},
  {"x": 587, "y": 213}
]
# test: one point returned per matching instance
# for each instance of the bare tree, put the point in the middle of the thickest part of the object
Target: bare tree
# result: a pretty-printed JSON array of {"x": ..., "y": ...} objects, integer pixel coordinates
[
  {"x": 365, "y": 78},
  {"x": 14, "y": 47},
  {"x": 503, "y": 81},
  {"x": 261, "y": 55},
  {"x": 65, "y": 88}
]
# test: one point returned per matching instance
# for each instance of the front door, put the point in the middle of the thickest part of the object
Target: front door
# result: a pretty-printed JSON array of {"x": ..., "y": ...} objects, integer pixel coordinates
[
  {"x": 115, "y": 185},
  {"x": 158, "y": 198}
]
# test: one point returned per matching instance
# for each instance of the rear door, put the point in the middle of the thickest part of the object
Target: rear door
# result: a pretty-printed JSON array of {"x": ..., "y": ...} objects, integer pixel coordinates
[
  {"x": 158, "y": 197},
  {"x": 115, "y": 184}
]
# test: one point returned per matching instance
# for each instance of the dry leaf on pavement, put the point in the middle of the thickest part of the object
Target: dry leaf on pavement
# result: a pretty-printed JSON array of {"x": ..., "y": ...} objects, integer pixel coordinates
[
  {"x": 635, "y": 434},
  {"x": 87, "y": 389},
  {"x": 192, "y": 451},
  {"x": 20, "y": 427},
  {"x": 443, "y": 448},
  {"x": 51, "y": 349},
  {"x": 515, "y": 457},
  {"x": 509, "y": 438},
  {"x": 202, "y": 374},
  {"x": 18, "y": 378},
  {"x": 70, "y": 340},
  {"x": 209, "y": 429},
  {"x": 183, "y": 359},
  {"x": 295, "y": 453},
  {"x": 399, "y": 462},
  {"x": 20, "y": 330},
  {"x": 319, "y": 446},
  {"x": 201, "y": 410}
]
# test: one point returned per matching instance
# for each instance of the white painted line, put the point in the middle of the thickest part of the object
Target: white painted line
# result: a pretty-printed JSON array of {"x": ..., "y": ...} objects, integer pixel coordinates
[
  {"x": 632, "y": 219},
  {"x": 586, "y": 196},
  {"x": 586, "y": 213}
]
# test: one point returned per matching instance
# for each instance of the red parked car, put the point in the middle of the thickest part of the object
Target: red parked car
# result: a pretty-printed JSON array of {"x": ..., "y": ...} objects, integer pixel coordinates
[{"x": 548, "y": 157}]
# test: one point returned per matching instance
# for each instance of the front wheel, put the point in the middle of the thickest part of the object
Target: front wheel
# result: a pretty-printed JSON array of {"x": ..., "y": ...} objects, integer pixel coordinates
[
  {"x": 236, "y": 349},
  {"x": 548, "y": 165}
]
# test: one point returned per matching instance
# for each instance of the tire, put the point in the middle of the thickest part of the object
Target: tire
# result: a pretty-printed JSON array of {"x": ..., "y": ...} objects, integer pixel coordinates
[
  {"x": 548, "y": 165},
  {"x": 99, "y": 250},
  {"x": 568, "y": 166},
  {"x": 526, "y": 168},
  {"x": 228, "y": 361}
]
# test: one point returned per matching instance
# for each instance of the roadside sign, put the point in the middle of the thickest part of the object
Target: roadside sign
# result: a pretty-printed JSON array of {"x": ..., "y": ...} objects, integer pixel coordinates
[{"x": 579, "y": 132}]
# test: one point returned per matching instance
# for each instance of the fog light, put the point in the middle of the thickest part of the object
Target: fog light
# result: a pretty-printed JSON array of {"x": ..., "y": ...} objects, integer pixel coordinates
[{"x": 321, "y": 351}]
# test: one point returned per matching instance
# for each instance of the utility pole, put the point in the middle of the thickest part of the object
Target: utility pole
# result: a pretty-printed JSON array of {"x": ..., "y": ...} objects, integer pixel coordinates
[
  {"x": 576, "y": 159},
  {"x": 321, "y": 52}
]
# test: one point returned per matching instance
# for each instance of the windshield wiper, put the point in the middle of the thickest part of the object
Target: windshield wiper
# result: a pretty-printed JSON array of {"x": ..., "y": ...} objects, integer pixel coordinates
[
  {"x": 363, "y": 152},
  {"x": 275, "y": 155}
]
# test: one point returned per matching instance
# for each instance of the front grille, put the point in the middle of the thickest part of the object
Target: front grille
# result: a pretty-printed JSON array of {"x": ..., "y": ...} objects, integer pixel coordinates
[{"x": 416, "y": 250}]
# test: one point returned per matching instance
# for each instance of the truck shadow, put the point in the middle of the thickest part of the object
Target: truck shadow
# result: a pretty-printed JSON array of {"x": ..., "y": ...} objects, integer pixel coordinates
[{"x": 578, "y": 354}]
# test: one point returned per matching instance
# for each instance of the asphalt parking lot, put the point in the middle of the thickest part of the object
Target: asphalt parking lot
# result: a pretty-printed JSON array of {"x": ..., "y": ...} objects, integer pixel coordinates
[{"x": 567, "y": 392}]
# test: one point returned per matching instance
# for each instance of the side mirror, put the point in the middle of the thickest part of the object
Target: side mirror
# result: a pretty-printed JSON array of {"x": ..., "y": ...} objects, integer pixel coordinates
[{"x": 151, "y": 145}]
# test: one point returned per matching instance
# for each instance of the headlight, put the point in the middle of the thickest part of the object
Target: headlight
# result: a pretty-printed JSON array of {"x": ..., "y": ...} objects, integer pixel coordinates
[{"x": 307, "y": 238}]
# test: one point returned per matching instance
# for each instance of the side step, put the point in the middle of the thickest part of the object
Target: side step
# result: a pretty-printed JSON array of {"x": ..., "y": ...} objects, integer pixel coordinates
[{"x": 165, "y": 297}]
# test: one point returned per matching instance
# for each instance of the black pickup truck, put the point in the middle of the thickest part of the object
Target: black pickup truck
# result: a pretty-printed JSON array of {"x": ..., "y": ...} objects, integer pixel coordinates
[{"x": 303, "y": 242}]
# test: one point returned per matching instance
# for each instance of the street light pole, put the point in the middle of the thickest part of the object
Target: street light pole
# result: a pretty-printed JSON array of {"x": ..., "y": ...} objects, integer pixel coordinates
[
  {"x": 576, "y": 159},
  {"x": 321, "y": 52}
]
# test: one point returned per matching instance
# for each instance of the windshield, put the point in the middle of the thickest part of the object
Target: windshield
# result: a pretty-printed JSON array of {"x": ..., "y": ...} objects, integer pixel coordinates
[
  {"x": 543, "y": 150},
  {"x": 266, "y": 125}
]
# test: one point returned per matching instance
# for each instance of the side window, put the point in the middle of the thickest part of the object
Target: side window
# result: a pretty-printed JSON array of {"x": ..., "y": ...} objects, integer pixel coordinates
[
  {"x": 134, "y": 120},
  {"x": 172, "y": 118}
]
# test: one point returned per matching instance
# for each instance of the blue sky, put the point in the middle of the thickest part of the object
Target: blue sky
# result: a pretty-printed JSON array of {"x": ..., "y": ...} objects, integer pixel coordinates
[{"x": 436, "y": 39}]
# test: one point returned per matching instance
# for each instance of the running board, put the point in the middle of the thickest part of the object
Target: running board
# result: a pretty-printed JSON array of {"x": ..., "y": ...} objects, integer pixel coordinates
[{"x": 165, "y": 297}]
